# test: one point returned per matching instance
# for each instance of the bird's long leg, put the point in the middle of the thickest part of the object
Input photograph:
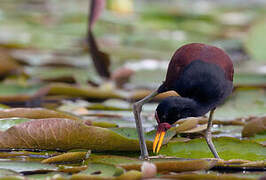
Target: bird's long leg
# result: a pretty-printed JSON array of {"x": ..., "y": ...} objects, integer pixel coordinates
[
  {"x": 137, "y": 107},
  {"x": 208, "y": 136}
]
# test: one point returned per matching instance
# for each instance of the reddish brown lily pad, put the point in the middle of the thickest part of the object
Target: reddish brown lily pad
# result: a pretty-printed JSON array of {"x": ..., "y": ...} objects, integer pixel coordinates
[
  {"x": 65, "y": 134},
  {"x": 254, "y": 126},
  {"x": 35, "y": 113}
]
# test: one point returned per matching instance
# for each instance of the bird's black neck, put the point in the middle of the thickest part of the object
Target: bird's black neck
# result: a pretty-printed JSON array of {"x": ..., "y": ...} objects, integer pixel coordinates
[{"x": 203, "y": 108}]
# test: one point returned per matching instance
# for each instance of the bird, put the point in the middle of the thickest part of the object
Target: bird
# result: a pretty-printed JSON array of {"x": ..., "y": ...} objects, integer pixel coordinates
[{"x": 203, "y": 77}]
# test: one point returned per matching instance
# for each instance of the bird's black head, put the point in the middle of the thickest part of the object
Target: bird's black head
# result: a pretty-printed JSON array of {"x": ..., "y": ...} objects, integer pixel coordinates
[
  {"x": 170, "y": 110},
  {"x": 174, "y": 108}
]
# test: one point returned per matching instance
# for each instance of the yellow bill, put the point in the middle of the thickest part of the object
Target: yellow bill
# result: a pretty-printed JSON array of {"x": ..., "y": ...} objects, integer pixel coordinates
[{"x": 158, "y": 141}]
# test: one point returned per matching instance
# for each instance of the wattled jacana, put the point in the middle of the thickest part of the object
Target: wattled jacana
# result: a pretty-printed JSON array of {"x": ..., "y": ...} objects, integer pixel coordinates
[{"x": 203, "y": 77}]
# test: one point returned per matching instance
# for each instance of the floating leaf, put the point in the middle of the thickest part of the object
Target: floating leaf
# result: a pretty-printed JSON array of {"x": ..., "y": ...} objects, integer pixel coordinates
[
  {"x": 59, "y": 74},
  {"x": 16, "y": 93},
  {"x": 106, "y": 108},
  {"x": 8, "y": 172},
  {"x": 188, "y": 124},
  {"x": 51, "y": 175},
  {"x": 67, "y": 157},
  {"x": 104, "y": 124},
  {"x": 18, "y": 154},
  {"x": 89, "y": 92},
  {"x": 249, "y": 79},
  {"x": 8, "y": 65},
  {"x": 65, "y": 134},
  {"x": 196, "y": 176},
  {"x": 7, "y": 123},
  {"x": 13, "y": 178},
  {"x": 100, "y": 169},
  {"x": 35, "y": 113},
  {"x": 72, "y": 169},
  {"x": 256, "y": 39},
  {"x": 227, "y": 148},
  {"x": 260, "y": 138},
  {"x": 175, "y": 165},
  {"x": 196, "y": 129},
  {"x": 140, "y": 94},
  {"x": 254, "y": 126},
  {"x": 132, "y": 175},
  {"x": 112, "y": 159},
  {"x": 132, "y": 133},
  {"x": 162, "y": 164},
  {"x": 237, "y": 106},
  {"x": 27, "y": 166},
  {"x": 122, "y": 76}
]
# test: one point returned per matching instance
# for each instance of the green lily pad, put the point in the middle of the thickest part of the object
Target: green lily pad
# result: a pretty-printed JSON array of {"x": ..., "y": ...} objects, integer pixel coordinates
[
  {"x": 67, "y": 157},
  {"x": 242, "y": 99},
  {"x": 26, "y": 166},
  {"x": 250, "y": 79},
  {"x": 100, "y": 169},
  {"x": 256, "y": 41},
  {"x": 17, "y": 93},
  {"x": 162, "y": 164},
  {"x": 51, "y": 175},
  {"x": 83, "y": 92},
  {"x": 63, "y": 74},
  {"x": 260, "y": 138},
  {"x": 12, "y": 89},
  {"x": 111, "y": 159},
  {"x": 227, "y": 148},
  {"x": 132, "y": 133},
  {"x": 2, "y": 106},
  {"x": 8, "y": 172}
]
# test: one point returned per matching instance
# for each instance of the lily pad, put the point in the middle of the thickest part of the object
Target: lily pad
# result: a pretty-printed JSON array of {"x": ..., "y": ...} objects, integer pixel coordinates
[
  {"x": 254, "y": 126},
  {"x": 132, "y": 175},
  {"x": 15, "y": 93},
  {"x": 111, "y": 159},
  {"x": 59, "y": 74},
  {"x": 8, "y": 172},
  {"x": 83, "y": 92},
  {"x": 7, "y": 123},
  {"x": 35, "y": 113},
  {"x": 196, "y": 176},
  {"x": 100, "y": 169},
  {"x": 27, "y": 166},
  {"x": 237, "y": 106},
  {"x": 227, "y": 148},
  {"x": 176, "y": 165},
  {"x": 249, "y": 79},
  {"x": 8, "y": 65},
  {"x": 256, "y": 41},
  {"x": 51, "y": 175},
  {"x": 67, "y": 157},
  {"x": 260, "y": 138},
  {"x": 132, "y": 133},
  {"x": 162, "y": 164},
  {"x": 65, "y": 134}
]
